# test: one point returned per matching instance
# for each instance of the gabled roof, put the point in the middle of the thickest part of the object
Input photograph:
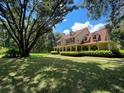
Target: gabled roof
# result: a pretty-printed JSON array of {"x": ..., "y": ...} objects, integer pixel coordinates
[
  {"x": 74, "y": 34},
  {"x": 102, "y": 33}
]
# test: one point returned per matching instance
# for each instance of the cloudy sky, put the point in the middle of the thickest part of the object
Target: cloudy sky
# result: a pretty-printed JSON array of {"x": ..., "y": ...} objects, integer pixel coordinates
[{"x": 77, "y": 20}]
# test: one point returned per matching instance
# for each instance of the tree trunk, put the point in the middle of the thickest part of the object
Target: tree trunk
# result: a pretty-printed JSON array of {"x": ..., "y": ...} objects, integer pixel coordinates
[{"x": 24, "y": 52}]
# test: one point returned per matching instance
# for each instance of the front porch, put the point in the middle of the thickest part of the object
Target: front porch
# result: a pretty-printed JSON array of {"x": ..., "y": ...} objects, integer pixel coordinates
[{"x": 87, "y": 46}]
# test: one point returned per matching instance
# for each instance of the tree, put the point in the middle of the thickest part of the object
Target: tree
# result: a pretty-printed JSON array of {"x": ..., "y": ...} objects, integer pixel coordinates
[
  {"x": 4, "y": 37},
  {"x": 117, "y": 34},
  {"x": 114, "y": 9},
  {"x": 50, "y": 41},
  {"x": 45, "y": 43},
  {"x": 27, "y": 20}
]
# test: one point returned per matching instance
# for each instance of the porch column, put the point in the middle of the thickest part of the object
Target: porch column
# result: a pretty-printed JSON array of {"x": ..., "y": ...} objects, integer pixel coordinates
[
  {"x": 65, "y": 48},
  {"x": 81, "y": 47},
  {"x": 109, "y": 46},
  {"x": 76, "y": 48},
  {"x": 62, "y": 48},
  {"x": 70, "y": 48},
  {"x": 89, "y": 48},
  {"x": 98, "y": 46}
]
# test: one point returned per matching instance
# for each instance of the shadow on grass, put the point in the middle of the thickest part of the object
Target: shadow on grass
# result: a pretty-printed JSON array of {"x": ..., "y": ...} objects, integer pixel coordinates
[{"x": 54, "y": 75}]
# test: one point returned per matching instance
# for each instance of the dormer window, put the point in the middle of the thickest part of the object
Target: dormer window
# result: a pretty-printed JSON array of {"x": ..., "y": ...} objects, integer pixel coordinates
[
  {"x": 99, "y": 38},
  {"x": 94, "y": 36},
  {"x": 85, "y": 39}
]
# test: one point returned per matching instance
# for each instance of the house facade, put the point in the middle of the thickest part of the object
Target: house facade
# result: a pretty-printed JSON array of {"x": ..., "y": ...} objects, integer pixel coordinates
[{"x": 84, "y": 40}]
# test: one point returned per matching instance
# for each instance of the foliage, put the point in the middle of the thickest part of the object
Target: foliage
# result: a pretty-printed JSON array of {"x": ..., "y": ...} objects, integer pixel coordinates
[
  {"x": 54, "y": 52},
  {"x": 50, "y": 41},
  {"x": 101, "y": 53},
  {"x": 112, "y": 8},
  {"x": 45, "y": 43},
  {"x": 3, "y": 50},
  {"x": 117, "y": 35},
  {"x": 121, "y": 51},
  {"x": 27, "y": 20},
  {"x": 12, "y": 53},
  {"x": 97, "y": 53},
  {"x": 61, "y": 74},
  {"x": 75, "y": 54},
  {"x": 116, "y": 53}
]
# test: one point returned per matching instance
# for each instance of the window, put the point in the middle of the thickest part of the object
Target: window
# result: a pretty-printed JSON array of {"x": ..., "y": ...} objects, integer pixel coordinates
[
  {"x": 94, "y": 36},
  {"x": 85, "y": 38},
  {"x": 99, "y": 38},
  {"x": 73, "y": 40}
]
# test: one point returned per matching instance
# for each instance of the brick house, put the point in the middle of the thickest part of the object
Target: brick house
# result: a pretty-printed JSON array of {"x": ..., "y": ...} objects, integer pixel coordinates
[{"x": 84, "y": 40}]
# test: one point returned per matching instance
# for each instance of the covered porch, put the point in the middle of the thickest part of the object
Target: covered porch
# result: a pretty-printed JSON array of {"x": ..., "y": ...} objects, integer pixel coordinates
[{"x": 87, "y": 46}]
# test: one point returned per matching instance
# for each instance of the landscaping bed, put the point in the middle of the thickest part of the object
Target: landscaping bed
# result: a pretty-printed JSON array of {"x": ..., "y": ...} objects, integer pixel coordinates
[{"x": 100, "y": 53}]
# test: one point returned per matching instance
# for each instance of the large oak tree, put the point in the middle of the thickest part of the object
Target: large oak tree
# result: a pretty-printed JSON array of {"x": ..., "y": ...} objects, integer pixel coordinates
[{"x": 27, "y": 20}]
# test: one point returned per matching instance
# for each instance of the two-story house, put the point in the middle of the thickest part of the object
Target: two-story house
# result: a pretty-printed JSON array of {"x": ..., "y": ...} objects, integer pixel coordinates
[{"x": 85, "y": 40}]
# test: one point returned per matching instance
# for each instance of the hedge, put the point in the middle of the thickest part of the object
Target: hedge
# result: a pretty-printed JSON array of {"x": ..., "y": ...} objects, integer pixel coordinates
[
  {"x": 102, "y": 53},
  {"x": 75, "y": 54},
  {"x": 122, "y": 52},
  {"x": 54, "y": 52},
  {"x": 12, "y": 53}
]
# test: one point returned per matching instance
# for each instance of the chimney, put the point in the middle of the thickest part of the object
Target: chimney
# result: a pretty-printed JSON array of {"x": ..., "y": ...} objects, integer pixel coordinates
[{"x": 71, "y": 33}]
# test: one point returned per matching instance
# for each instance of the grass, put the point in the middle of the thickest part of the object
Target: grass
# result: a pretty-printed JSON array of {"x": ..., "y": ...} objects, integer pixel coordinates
[{"x": 43, "y": 73}]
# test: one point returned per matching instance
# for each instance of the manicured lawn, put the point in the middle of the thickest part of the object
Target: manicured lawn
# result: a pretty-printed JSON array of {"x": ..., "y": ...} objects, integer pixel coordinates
[{"x": 43, "y": 73}]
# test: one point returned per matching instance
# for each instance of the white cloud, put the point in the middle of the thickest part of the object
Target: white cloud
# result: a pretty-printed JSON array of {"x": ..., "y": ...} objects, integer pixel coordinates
[
  {"x": 97, "y": 27},
  {"x": 64, "y": 20},
  {"x": 79, "y": 26},
  {"x": 66, "y": 31}
]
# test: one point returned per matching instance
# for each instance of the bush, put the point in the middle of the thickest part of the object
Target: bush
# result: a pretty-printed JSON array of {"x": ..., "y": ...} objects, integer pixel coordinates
[
  {"x": 74, "y": 54},
  {"x": 11, "y": 53},
  {"x": 100, "y": 53},
  {"x": 89, "y": 53},
  {"x": 54, "y": 52},
  {"x": 3, "y": 50},
  {"x": 122, "y": 52},
  {"x": 116, "y": 53}
]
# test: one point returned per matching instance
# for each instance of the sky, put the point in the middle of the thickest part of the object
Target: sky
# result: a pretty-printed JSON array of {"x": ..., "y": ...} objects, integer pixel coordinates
[{"x": 78, "y": 19}]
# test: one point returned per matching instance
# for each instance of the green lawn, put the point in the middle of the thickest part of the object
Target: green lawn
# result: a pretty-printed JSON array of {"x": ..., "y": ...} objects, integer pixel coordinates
[{"x": 43, "y": 73}]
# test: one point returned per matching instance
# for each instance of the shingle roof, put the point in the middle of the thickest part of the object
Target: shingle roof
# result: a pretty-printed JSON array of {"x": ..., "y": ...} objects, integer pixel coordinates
[
  {"x": 102, "y": 33},
  {"x": 74, "y": 34}
]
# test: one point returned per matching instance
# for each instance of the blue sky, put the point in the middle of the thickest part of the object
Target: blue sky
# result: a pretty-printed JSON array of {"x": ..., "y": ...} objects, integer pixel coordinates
[{"x": 78, "y": 16}]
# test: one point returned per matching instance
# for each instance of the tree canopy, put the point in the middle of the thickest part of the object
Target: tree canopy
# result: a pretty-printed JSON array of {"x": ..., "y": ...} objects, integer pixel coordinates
[
  {"x": 111, "y": 8},
  {"x": 114, "y": 10},
  {"x": 27, "y": 20}
]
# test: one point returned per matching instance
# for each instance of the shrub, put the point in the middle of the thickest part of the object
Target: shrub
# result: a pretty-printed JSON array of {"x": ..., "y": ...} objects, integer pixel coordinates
[
  {"x": 11, "y": 53},
  {"x": 116, "y": 53},
  {"x": 54, "y": 52},
  {"x": 100, "y": 53},
  {"x": 122, "y": 53},
  {"x": 89, "y": 53},
  {"x": 74, "y": 54},
  {"x": 3, "y": 50}
]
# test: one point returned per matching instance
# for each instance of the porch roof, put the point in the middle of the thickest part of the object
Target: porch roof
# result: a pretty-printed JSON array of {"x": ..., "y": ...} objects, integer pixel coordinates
[{"x": 92, "y": 43}]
